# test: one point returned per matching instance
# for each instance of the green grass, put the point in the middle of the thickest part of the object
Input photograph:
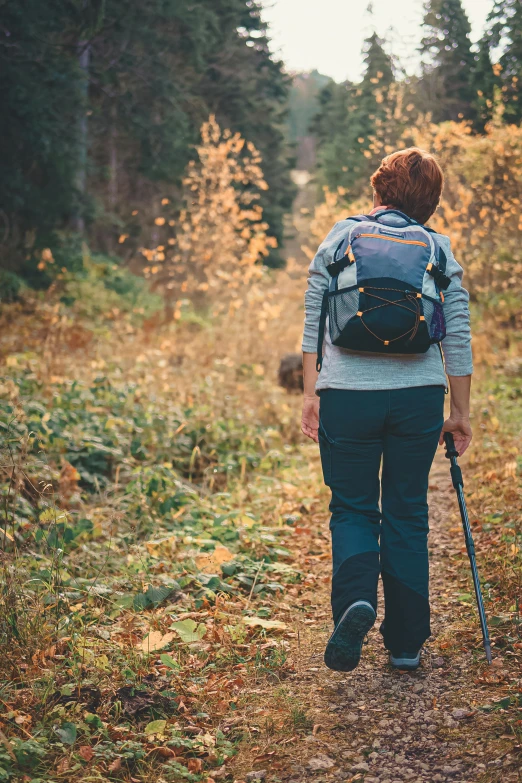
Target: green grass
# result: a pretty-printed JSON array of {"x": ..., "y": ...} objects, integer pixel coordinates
[{"x": 110, "y": 498}]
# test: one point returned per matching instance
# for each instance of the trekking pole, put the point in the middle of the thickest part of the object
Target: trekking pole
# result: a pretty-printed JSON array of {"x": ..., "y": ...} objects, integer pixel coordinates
[{"x": 458, "y": 483}]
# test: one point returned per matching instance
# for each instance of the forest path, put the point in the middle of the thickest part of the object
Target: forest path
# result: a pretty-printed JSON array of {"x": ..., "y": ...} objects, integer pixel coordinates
[
  {"x": 377, "y": 724},
  {"x": 297, "y": 223}
]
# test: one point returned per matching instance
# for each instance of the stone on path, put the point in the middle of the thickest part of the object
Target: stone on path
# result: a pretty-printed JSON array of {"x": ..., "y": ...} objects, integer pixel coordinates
[
  {"x": 321, "y": 762},
  {"x": 361, "y": 767},
  {"x": 459, "y": 714}
]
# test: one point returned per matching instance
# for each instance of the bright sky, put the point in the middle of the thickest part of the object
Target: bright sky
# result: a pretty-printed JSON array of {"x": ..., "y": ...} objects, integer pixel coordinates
[{"x": 328, "y": 34}]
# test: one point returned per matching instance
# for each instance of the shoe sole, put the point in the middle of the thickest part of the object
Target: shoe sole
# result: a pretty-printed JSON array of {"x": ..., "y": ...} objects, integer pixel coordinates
[
  {"x": 343, "y": 651},
  {"x": 405, "y": 664}
]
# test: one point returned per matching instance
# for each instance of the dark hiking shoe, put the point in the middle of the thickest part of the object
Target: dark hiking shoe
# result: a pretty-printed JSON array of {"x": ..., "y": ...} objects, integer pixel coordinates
[
  {"x": 405, "y": 661},
  {"x": 343, "y": 650}
]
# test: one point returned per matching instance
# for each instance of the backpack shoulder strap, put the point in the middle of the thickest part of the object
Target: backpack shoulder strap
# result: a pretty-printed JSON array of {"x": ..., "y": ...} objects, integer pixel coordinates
[
  {"x": 338, "y": 264},
  {"x": 439, "y": 272},
  {"x": 361, "y": 218},
  {"x": 442, "y": 259},
  {"x": 410, "y": 221},
  {"x": 320, "y": 335}
]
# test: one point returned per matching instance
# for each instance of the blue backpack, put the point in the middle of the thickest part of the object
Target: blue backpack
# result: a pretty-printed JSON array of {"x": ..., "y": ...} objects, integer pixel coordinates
[{"x": 385, "y": 293}]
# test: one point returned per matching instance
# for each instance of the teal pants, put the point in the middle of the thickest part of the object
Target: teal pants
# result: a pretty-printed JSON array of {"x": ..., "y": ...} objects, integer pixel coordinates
[{"x": 379, "y": 446}]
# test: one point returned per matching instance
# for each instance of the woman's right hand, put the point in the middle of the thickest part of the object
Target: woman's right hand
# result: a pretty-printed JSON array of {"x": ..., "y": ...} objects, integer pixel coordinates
[
  {"x": 310, "y": 417},
  {"x": 460, "y": 428},
  {"x": 458, "y": 423}
]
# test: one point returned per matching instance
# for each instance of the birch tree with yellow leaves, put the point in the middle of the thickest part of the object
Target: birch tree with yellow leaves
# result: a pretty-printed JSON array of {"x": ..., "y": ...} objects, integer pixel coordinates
[{"x": 211, "y": 249}]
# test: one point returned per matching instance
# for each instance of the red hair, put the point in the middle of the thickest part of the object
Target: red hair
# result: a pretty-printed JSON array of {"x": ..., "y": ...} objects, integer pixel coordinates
[{"x": 410, "y": 180}]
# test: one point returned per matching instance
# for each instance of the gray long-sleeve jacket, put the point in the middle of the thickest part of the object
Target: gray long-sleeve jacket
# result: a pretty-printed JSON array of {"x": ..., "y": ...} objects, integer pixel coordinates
[{"x": 344, "y": 369}]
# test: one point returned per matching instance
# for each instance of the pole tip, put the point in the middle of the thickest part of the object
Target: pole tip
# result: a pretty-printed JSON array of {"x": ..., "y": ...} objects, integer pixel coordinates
[{"x": 489, "y": 659}]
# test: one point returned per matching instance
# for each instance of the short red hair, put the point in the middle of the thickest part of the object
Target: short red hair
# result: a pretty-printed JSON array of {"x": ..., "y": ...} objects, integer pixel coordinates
[{"x": 410, "y": 180}]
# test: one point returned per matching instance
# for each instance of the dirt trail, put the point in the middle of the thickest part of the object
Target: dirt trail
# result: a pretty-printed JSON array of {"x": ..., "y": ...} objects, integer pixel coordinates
[
  {"x": 382, "y": 726},
  {"x": 298, "y": 221}
]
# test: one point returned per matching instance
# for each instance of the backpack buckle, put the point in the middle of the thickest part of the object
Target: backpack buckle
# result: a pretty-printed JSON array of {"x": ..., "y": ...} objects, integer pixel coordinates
[
  {"x": 441, "y": 280},
  {"x": 336, "y": 267}
]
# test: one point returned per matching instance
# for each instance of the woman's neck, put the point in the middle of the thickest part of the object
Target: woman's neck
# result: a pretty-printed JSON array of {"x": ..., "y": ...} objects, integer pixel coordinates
[{"x": 378, "y": 208}]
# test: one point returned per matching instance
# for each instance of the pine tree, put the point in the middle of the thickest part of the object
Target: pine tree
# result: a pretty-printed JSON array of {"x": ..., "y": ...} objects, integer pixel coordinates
[
  {"x": 41, "y": 102},
  {"x": 373, "y": 92},
  {"x": 485, "y": 80},
  {"x": 331, "y": 126},
  {"x": 354, "y": 119},
  {"x": 247, "y": 89},
  {"x": 448, "y": 61},
  {"x": 506, "y": 33},
  {"x": 379, "y": 67},
  {"x": 88, "y": 140}
]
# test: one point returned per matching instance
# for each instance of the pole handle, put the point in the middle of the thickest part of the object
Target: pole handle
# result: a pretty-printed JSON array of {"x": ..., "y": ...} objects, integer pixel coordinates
[
  {"x": 452, "y": 454},
  {"x": 451, "y": 450}
]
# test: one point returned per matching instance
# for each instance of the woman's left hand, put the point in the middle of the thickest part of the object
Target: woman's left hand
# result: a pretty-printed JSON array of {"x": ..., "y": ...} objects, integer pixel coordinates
[{"x": 310, "y": 417}]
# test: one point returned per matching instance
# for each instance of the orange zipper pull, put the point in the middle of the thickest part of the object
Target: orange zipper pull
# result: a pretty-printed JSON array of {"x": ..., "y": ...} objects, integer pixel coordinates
[{"x": 350, "y": 254}]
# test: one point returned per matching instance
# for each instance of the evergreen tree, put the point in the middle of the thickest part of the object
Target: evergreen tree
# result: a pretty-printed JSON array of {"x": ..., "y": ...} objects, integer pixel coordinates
[
  {"x": 248, "y": 91},
  {"x": 506, "y": 33},
  {"x": 147, "y": 65},
  {"x": 175, "y": 68},
  {"x": 373, "y": 93},
  {"x": 485, "y": 80},
  {"x": 331, "y": 128},
  {"x": 448, "y": 62},
  {"x": 41, "y": 102},
  {"x": 354, "y": 119},
  {"x": 102, "y": 105},
  {"x": 379, "y": 67}
]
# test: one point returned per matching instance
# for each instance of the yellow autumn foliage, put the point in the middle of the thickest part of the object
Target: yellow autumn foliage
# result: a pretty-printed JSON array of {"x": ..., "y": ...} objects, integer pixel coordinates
[
  {"x": 480, "y": 208},
  {"x": 481, "y": 205},
  {"x": 216, "y": 241}
]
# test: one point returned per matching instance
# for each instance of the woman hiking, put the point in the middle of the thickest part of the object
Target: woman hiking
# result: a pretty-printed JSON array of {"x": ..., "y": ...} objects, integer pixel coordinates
[{"x": 384, "y": 304}]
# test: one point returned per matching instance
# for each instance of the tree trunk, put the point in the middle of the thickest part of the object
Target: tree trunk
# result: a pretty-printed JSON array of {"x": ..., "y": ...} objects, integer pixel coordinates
[
  {"x": 84, "y": 56},
  {"x": 113, "y": 161}
]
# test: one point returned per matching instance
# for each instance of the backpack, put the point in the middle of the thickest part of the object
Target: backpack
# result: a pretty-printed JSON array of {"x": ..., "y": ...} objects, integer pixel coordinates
[{"x": 385, "y": 293}]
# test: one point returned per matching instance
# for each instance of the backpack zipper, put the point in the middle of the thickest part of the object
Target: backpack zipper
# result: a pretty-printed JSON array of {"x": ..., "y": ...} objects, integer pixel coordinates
[{"x": 392, "y": 239}]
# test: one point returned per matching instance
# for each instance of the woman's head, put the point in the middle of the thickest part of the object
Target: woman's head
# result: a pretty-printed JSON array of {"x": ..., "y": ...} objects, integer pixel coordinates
[{"x": 410, "y": 180}]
